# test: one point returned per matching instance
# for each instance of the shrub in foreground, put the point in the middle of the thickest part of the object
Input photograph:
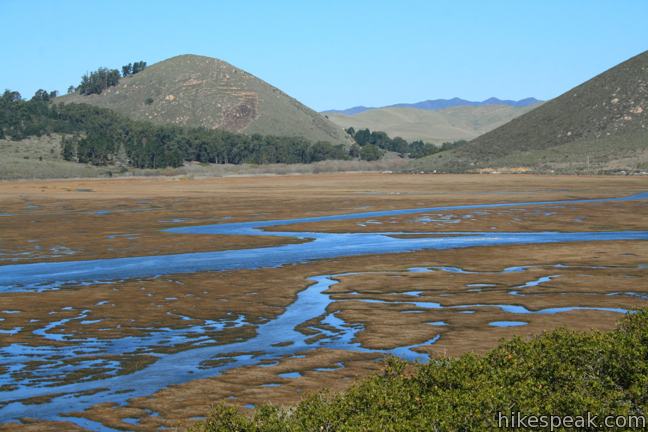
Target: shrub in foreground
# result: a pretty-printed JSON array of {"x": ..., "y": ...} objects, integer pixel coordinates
[{"x": 562, "y": 372}]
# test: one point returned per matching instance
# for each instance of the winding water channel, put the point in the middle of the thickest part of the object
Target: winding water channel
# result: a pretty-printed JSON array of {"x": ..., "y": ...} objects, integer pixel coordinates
[
  {"x": 48, "y": 275},
  {"x": 277, "y": 338}
]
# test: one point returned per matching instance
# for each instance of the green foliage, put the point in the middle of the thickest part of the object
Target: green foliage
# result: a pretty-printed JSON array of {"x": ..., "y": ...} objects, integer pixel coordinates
[
  {"x": 323, "y": 150},
  {"x": 108, "y": 137},
  {"x": 380, "y": 140},
  {"x": 11, "y": 96},
  {"x": 69, "y": 148},
  {"x": 43, "y": 95},
  {"x": 370, "y": 152},
  {"x": 20, "y": 119},
  {"x": 354, "y": 151},
  {"x": 133, "y": 68},
  {"x": 419, "y": 149},
  {"x": 139, "y": 66},
  {"x": 97, "y": 81},
  {"x": 559, "y": 373}
]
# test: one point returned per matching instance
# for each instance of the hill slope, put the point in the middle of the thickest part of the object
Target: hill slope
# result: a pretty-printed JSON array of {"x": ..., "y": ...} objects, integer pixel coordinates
[
  {"x": 439, "y": 104},
  {"x": 451, "y": 124},
  {"x": 199, "y": 91},
  {"x": 601, "y": 124}
]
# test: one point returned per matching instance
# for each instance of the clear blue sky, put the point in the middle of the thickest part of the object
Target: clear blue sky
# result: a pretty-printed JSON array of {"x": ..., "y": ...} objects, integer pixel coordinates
[{"x": 333, "y": 54}]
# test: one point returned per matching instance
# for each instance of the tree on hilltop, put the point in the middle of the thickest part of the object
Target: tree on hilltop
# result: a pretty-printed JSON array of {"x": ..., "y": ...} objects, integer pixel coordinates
[
  {"x": 133, "y": 68},
  {"x": 99, "y": 80}
]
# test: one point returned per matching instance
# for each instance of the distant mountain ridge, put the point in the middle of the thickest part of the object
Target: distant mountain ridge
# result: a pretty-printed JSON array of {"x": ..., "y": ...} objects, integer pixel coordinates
[{"x": 439, "y": 104}]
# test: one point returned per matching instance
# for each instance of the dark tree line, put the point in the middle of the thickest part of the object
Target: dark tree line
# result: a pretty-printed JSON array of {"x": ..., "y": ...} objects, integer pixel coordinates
[
  {"x": 100, "y": 136},
  {"x": 373, "y": 144},
  {"x": 20, "y": 119},
  {"x": 97, "y": 81},
  {"x": 44, "y": 95},
  {"x": 133, "y": 68}
]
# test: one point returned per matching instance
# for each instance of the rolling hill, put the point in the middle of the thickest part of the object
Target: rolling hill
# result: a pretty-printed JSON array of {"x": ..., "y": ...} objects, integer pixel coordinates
[
  {"x": 199, "y": 91},
  {"x": 439, "y": 104},
  {"x": 598, "y": 126},
  {"x": 435, "y": 126}
]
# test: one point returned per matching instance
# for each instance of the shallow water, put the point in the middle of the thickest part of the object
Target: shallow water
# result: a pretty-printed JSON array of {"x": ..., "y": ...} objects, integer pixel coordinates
[
  {"x": 182, "y": 366},
  {"x": 52, "y": 275},
  {"x": 261, "y": 349},
  {"x": 507, "y": 323}
]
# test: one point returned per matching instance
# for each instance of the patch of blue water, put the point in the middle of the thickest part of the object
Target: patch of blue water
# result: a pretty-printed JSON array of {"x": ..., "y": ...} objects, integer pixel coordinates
[
  {"x": 190, "y": 364},
  {"x": 507, "y": 323},
  {"x": 50, "y": 275},
  {"x": 419, "y": 270},
  {"x": 183, "y": 366},
  {"x": 289, "y": 375}
]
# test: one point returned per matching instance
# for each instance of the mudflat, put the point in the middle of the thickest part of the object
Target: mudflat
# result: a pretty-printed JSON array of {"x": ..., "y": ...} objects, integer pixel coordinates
[{"x": 63, "y": 348}]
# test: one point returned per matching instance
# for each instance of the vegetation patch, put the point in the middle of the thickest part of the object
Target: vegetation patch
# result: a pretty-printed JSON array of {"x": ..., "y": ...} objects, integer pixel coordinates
[
  {"x": 99, "y": 80},
  {"x": 372, "y": 145},
  {"x": 99, "y": 136},
  {"x": 558, "y": 373}
]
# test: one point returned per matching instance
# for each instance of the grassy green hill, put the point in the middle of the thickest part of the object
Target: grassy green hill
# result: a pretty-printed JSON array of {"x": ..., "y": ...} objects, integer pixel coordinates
[
  {"x": 600, "y": 125},
  {"x": 435, "y": 126},
  {"x": 197, "y": 91}
]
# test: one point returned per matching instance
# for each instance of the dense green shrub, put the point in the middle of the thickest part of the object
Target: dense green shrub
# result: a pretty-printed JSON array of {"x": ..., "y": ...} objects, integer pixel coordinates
[
  {"x": 370, "y": 152},
  {"x": 415, "y": 149},
  {"x": 558, "y": 373}
]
